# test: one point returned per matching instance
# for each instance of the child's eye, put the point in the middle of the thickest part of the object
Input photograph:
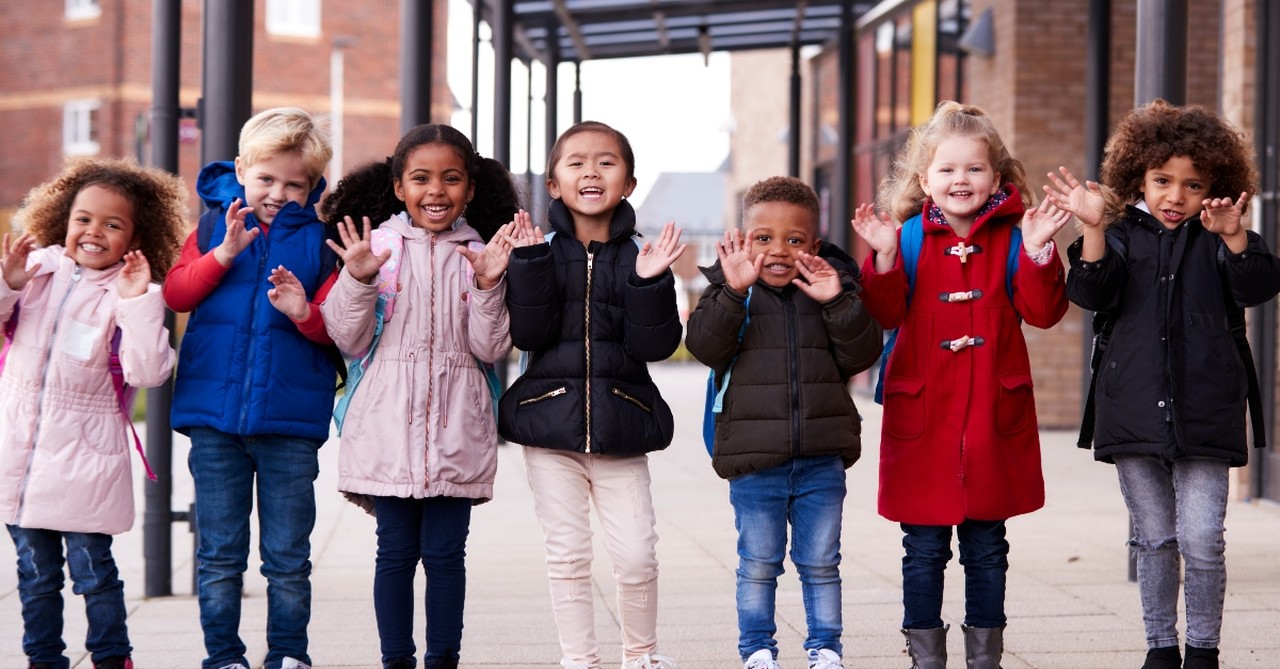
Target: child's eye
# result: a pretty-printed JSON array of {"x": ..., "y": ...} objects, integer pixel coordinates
[
  {"x": 575, "y": 163},
  {"x": 763, "y": 239},
  {"x": 1195, "y": 186},
  {"x": 976, "y": 169},
  {"x": 795, "y": 241}
]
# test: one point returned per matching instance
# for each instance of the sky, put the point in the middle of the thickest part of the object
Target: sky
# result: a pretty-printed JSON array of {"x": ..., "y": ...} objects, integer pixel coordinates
[{"x": 674, "y": 109}]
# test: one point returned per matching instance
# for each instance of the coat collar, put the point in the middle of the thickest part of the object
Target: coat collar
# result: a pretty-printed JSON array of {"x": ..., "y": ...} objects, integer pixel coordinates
[{"x": 621, "y": 226}]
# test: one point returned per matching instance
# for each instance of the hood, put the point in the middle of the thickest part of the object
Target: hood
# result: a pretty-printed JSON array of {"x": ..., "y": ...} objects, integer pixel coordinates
[
  {"x": 459, "y": 233},
  {"x": 217, "y": 186},
  {"x": 621, "y": 226}
]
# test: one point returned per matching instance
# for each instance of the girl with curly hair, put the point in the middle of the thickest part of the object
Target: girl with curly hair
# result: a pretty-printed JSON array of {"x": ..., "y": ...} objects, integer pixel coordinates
[
  {"x": 96, "y": 238},
  {"x": 1166, "y": 261}
]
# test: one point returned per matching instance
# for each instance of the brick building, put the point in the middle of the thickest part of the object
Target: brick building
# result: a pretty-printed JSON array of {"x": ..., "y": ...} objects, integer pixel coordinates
[{"x": 75, "y": 78}]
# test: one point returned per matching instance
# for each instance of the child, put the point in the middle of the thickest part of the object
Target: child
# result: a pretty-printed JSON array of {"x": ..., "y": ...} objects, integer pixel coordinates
[
  {"x": 419, "y": 441},
  {"x": 591, "y": 309},
  {"x": 786, "y": 439},
  {"x": 959, "y": 444},
  {"x": 1166, "y": 260},
  {"x": 255, "y": 386},
  {"x": 81, "y": 274}
]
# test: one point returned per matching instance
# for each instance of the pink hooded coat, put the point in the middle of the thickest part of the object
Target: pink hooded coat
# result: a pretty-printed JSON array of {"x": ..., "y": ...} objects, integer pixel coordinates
[
  {"x": 65, "y": 447},
  {"x": 421, "y": 422}
]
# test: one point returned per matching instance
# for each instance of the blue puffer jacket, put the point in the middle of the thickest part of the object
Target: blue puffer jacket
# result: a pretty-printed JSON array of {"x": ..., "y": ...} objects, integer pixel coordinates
[{"x": 244, "y": 368}]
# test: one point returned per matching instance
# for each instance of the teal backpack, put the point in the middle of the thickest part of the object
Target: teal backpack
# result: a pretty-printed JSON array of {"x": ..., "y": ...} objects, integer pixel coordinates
[{"x": 909, "y": 242}]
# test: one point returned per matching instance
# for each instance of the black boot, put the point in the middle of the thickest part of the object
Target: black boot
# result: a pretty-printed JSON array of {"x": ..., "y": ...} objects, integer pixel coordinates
[
  {"x": 1201, "y": 658},
  {"x": 927, "y": 648},
  {"x": 983, "y": 647},
  {"x": 442, "y": 663},
  {"x": 1166, "y": 657},
  {"x": 400, "y": 663}
]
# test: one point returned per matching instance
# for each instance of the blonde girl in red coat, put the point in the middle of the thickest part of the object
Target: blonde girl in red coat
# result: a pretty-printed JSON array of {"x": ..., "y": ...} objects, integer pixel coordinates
[{"x": 959, "y": 444}]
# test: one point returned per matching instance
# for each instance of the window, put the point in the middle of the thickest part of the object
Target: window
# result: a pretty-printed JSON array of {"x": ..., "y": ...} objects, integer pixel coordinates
[
  {"x": 80, "y": 127},
  {"x": 293, "y": 18},
  {"x": 83, "y": 9}
]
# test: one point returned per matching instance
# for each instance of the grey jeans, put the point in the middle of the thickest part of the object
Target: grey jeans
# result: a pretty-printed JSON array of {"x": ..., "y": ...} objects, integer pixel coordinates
[{"x": 1178, "y": 508}]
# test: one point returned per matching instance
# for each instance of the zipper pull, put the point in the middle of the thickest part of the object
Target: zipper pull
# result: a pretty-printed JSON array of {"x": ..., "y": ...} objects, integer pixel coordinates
[{"x": 75, "y": 275}]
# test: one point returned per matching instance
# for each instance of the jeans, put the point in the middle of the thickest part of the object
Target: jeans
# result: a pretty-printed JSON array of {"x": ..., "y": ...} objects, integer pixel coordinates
[
  {"x": 224, "y": 467},
  {"x": 1178, "y": 508},
  {"x": 93, "y": 575},
  {"x": 808, "y": 493},
  {"x": 984, "y": 554},
  {"x": 564, "y": 485},
  {"x": 432, "y": 531}
]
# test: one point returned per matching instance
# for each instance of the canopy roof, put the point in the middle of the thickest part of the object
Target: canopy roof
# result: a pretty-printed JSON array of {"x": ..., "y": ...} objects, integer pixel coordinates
[{"x": 594, "y": 29}]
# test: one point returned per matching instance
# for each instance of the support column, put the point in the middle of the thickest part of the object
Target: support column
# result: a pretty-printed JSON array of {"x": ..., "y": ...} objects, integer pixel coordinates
[
  {"x": 227, "y": 95},
  {"x": 416, "y": 39},
  {"x": 842, "y": 180},
  {"x": 793, "y": 135},
  {"x": 1266, "y": 132},
  {"x": 503, "y": 49},
  {"x": 553, "y": 87},
  {"x": 1160, "y": 63}
]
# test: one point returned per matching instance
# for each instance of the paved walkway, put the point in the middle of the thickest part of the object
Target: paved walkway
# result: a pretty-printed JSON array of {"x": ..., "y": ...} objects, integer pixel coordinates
[{"x": 1069, "y": 603}]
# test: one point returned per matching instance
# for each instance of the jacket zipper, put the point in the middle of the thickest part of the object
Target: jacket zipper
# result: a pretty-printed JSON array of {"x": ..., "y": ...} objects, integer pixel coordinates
[
  {"x": 431, "y": 367},
  {"x": 44, "y": 377},
  {"x": 793, "y": 361},
  {"x": 586, "y": 335},
  {"x": 631, "y": 399},
  {"x": 253, "y": 345},
  {"x": 544, "y": 396}
]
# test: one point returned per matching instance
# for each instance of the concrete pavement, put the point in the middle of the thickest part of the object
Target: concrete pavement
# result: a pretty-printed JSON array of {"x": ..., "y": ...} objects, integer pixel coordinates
[{"x": 1069, "y": 602}]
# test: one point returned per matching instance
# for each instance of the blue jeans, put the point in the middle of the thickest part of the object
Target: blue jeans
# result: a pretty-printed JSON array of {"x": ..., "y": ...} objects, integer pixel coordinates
[
  {"x": 984, "y": 554},
  {"x": 1178, "y": 508},
  {"x": 432, "y": 531},
  {"x": 93, "y": 575},
  {"x": 808, "y": 493},
  {"x": 224, "y": 467}
]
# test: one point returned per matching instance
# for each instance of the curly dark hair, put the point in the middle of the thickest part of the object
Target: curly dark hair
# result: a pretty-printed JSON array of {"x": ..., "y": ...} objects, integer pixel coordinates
[
  {"x": 158, "y": 199},
  {"x": 369, "y": 190},
  {"x": 783, "y": 189},
  {"x": 1153, "y": 133}
]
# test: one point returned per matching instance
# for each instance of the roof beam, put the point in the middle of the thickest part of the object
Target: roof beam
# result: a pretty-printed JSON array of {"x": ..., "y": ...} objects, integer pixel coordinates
[{"x": 571, "y": 25}]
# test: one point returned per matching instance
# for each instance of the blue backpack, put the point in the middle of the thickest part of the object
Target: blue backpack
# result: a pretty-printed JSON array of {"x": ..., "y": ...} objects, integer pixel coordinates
[
  {"x": 717, "y": 387},
  {"x": 909, "y": 243}
]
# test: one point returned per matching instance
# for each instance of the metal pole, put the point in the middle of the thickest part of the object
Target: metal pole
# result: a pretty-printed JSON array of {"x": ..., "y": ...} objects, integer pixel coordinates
[
  {"x": 793, "y": 134},
  {"x": 1266, "y": 133},
  {"x": 553, "y": 88},
  {"x": 503, "y": 48},
  {"x": 1160, "y": 63},
  {"x": 157, "y": 517},
  {"x": 577, "y": 92},
  {"x": 528, "y": 129},
  {"x": 841, "y": 187},
  {"x": 227, "y": 100},
  {"x": 475, "y": 74},
  {"x": 415, "y": 62}
]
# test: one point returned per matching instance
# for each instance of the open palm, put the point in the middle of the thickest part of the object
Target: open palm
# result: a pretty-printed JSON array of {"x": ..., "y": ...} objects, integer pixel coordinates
[{"x": 356, "y": 251}]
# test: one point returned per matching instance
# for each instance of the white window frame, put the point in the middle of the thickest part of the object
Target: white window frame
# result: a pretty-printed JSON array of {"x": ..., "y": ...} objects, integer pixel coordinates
[
  {"x": 293, "y": 18},
  {"x": 79, "y": 118},
  {"x": 83, "y": 9}
]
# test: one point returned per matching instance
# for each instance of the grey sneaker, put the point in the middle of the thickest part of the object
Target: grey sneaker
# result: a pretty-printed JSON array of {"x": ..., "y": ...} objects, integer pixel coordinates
[
  {"x": 824, "y": 658},
  {"x": 761, "y": 659},
  {"x": 290, "y": 663}
]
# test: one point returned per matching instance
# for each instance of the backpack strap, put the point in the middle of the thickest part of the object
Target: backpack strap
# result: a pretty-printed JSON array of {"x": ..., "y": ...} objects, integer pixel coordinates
[
  {"x": 381, "y": 239},
  {"x": 716, "y": 388},
  {"x": 125, "y": 394}
]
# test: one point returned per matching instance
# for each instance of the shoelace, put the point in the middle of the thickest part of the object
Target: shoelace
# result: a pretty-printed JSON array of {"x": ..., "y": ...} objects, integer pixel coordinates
[
  {"x": 761, "y": 664},
  {"x": 824, "y": 661},
  {"x": 651, "y": 661}
]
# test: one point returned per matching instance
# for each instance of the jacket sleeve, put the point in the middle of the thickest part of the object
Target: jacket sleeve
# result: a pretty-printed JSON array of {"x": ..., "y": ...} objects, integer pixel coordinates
[
  {"x": 885, "y": 295},
  {"x": 651, "y": 320},
  {"x": 1040, "y": 291},
  {"x": 145, "y": 354},
  {"x": 348, "y": 312},
  {"x": 1097, "y": 285},
  {"x": 489, "y": 323},
  {"x": 713, "y": 326},
  {"x": 856, "y": 338},
  {"x": 1252, "y": 274},
  {"x": 533, "y": 298}
]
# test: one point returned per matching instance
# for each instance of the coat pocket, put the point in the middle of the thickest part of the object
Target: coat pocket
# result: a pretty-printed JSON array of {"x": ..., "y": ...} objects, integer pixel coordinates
[
  {"x": 904, "y": 407},
  {"x": 1015, "y": 404}
]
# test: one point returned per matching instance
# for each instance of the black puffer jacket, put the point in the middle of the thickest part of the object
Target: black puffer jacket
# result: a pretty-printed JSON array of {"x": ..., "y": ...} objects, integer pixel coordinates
[
  {"x": 590, "y": 326},
  {"x": 1171, "y": 381},
  {"x": 788, "y": 395}
]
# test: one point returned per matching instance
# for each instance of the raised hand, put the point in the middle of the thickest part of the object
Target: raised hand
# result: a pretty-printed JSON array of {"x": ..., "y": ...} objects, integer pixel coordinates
[
  {"x": 238, "y": 236},
  {"x": 1085, "y": 201},
  {"x": 740, "y": 271},
  {"x": 287, "y": 294},
  {"x": 356, "y": 251},
  {"x": 655, "y": 258},
  {"x": 135, "y": 277},
  {"x": 14, "y": 262},
  {"x": 524, "y": 232},
  {"x": 1222, "y": 216},
  {"x": 821, "y": 281},
  {"x": 1040, "y": 224},
  {"x": 877, "y": 229},
  {"x": 490, "y": 263}
]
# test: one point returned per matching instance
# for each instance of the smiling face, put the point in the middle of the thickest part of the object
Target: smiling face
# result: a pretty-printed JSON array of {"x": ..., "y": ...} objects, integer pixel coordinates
[
  {"x": 960, "y": 179},
  {"x": 435, "y": 186},
  {"x": 591, "y": 177},
  {"x": 100, "y": 230},
  {"x": 780, "y": 231},
  {"x": 273, "y": 182},
  {"x": 1174, "y": 191}
]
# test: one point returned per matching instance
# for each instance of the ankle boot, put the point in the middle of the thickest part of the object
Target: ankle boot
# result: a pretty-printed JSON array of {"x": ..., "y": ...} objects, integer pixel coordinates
[
  {"x": 983, "y": 647},
  {"x": 1201, "y": 658},
  {"x": 1165, "y": 657},
  {"x": 927, "y": 648}
]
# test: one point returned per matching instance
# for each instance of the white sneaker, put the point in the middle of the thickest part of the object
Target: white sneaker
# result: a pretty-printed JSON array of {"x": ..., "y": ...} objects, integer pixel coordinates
[
  {"x": 761, "y": 659},
  {"x": 290, "y": 663},
  {"x": 824, "y": 658},
  {"x": 237, "y": 665},
  {"x": 650, "y": 661}
]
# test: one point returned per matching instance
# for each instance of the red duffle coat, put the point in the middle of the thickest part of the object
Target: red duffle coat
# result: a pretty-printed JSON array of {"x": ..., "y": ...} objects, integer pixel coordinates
[{"x": 959, "y": 437}]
